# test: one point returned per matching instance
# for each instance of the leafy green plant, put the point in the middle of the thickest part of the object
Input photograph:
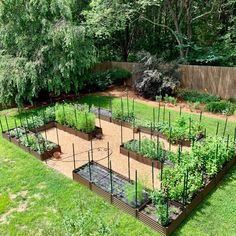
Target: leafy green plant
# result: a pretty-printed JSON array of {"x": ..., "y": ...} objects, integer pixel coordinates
[
  {"x": 131, "y": 194},
  {"x": 102, "y": 80},
  {"x": 170, "y": 99},
  {"x": 82, "y": 120},
  {"x": 197, "y": 105},
  {"x": 195, "y": 96},
  {"x": 36, "y": 143},
  {"x": 123, "y": 116},
  {"x": 223, "y": 107},
  {"x": 17, "y": 132},
  {"x": 159, "y": 98},
  {"x": 148, "y": 148},
  {"x": 160, "y": 202},
  {"x": 33, "y": 122}
]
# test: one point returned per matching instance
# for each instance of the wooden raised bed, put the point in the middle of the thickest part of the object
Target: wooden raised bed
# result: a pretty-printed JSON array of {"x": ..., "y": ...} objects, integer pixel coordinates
[
  {"x": 83, "y": 135},
  {"x": 186, "y": 210},
  {"x": 43, "y": 156},
  {"x": 138, "y": 157},
  {"x": 105, "y": 193}
]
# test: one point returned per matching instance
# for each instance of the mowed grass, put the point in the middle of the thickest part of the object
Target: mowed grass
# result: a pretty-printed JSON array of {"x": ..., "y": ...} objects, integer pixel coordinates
[
  {"x": 36, "y": 200},
  {"x": 145, "y": 112}
]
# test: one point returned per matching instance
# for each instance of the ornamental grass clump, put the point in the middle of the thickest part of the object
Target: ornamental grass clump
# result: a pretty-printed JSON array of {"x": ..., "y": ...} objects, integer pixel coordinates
[{"x": 79, "y": 119}]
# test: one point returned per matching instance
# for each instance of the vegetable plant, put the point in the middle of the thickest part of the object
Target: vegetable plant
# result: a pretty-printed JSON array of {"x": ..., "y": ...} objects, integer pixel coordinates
[
  {"x": 79, "y": 119},
  {"x": 148, "y": 148}
]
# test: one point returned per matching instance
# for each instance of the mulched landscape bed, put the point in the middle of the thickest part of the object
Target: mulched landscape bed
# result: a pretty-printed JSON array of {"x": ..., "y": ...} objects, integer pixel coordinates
[
  {"x": 100, "y": 182},
  {"x": 41, "y": 156}
]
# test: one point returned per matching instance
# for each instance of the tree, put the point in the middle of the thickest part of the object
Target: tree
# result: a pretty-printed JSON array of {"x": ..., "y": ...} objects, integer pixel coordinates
[{"x": 49, "y": 36}]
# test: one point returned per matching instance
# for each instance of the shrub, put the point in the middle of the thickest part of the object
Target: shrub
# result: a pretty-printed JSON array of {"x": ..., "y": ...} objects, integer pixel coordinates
[
  {"x": 82, "y": 120},
  {"x": 102, "y": 80},
  {"x": 223, "y": 107},
  {"x": 195, "y": 96}
]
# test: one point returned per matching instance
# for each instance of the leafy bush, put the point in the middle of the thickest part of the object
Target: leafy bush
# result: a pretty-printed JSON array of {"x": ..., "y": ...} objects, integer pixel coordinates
[
  {"x": 123, "y": 116},
  {"x": 195, "y": 96},
  {"x": 99, "y": 81},
  {"x": 223, "y": 107},
  {"x": 82, "y": 120}
]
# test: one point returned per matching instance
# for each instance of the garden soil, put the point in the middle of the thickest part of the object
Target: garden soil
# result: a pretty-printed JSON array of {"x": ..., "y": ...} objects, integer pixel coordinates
[{"x": 111, "y": 134}]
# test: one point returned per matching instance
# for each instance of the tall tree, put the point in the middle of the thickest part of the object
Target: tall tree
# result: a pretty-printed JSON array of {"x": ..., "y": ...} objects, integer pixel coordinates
[{"x": 49, "y": 36}]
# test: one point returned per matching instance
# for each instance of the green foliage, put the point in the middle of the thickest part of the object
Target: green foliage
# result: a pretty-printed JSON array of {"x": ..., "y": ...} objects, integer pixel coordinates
[
  {"x": 82, "y": 120},
  {"x": 124, "y": 115},
  {"x": 131, "y": 195},
  {"x": 99, "y": 81},
  {"x": 213, "y": 153},
  {"x": 159, "y": 98},
  {"x": 160, "y": 202},
  {"x": 47, "y": 50},
  {"x": 36, "y": 142},
  {"x": 147, "y": 148},
  {"x": 40, "y": 118},
  {"x": 197, "y": 105},
  {"x": 170, "y": 99},
  {"x": 223, "y": 107},
  {"x": 205, "y": 159},
  {"x": 195, "y": 96}
]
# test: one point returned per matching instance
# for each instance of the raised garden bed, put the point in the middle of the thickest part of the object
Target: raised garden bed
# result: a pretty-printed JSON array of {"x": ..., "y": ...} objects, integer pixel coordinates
[
  {"x": 147, "y": 213},
  {"x": 140, "y": 158},
  {"x": 99, "y": 181},
  {"x": 102, "y": 113},
  {"x": 87, "y": 136},
  {"x": 41, "y": 156},
  {"x": 146, "y": 130}
]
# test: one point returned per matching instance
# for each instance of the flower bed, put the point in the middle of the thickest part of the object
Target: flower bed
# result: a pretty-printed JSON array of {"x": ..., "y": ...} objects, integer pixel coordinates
[
  {"x": 32, "y": 143},
  {"x": 98, "y": 179}
]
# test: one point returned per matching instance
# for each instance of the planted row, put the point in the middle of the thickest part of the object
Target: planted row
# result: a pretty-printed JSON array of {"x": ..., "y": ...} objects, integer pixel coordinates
[
  {"x": 34, "y": 142},
  {"x": 148, "y": 148},
  {"x": 77, "y": 117}
]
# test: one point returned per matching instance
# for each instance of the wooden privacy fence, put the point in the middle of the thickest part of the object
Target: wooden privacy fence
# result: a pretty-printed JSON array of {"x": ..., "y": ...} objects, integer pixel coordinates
[{"x": 219, "y": 81}]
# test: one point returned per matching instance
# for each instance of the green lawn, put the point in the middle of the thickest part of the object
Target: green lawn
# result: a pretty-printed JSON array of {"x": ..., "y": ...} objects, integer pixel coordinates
[
  {"x": 145, "y": 112},
  {"x": 35, "y": 200}
]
